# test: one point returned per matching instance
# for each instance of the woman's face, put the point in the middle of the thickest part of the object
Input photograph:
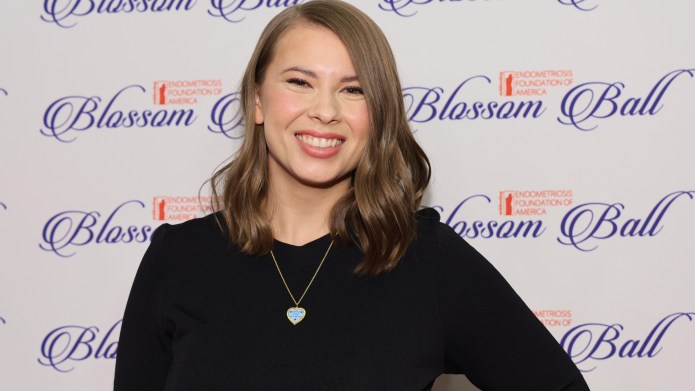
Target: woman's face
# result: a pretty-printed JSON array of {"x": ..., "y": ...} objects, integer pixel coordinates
[{"x": 311, "y": 105}]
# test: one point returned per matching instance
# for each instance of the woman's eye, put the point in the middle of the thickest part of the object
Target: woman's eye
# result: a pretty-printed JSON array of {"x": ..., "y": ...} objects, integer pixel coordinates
[
  {"x": 298, "y": 82},
  {"x": 354, "y": 90}
]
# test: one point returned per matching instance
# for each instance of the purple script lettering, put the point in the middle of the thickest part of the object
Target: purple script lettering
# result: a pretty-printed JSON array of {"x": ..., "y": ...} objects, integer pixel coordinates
[
  {"x": 490, "y": 229},
  {"x": 68, "y": 344},
  {"x": 226, "y": 9},
  {"x": 577, "y": 4},
  {"x": 76, "y": 228},
  {"x": 600, "y": 100},
  {"x": 81, "y": 113},
  {"x": 397, "y": 6},
  {"x": 598, "y": 220},
  {"x": 425, "y": 104},
  {"x": 598, "y": 341},
  {"x": 227, "y": 118},
  {"x": 58, "y": 11}
]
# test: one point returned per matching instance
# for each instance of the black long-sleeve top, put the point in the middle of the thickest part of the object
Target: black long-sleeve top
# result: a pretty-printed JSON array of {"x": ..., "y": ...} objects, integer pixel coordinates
[{"x": 204, "y": 316}]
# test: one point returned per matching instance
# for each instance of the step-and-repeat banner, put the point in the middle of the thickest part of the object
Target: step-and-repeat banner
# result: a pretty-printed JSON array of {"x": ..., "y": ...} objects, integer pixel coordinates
[{"x": 560, "y": 133}]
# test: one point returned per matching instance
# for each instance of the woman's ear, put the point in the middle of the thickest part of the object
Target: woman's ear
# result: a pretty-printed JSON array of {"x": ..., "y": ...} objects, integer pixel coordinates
[{"x": 259, "y": 110}]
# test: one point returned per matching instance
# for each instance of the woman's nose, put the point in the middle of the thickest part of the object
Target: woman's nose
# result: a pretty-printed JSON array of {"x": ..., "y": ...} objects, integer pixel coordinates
[{"x": 325, "y": 107}]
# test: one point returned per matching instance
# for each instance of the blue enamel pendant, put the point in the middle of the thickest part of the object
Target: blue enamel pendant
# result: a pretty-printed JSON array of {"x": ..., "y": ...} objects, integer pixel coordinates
[{"x": 296, "y": 314}]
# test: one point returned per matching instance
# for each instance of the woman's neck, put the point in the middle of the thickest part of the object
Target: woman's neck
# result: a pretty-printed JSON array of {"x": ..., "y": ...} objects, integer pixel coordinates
[{"x": 300, "y": 213}]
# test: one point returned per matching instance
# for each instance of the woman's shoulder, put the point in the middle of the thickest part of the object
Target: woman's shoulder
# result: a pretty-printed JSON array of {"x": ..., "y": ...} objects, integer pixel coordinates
[
  {"x": 203, "y": 231},
  {"x": 427, "y": 216},
  {"x": 430, "y": 227},
  {"x": 442, "y": 241}
]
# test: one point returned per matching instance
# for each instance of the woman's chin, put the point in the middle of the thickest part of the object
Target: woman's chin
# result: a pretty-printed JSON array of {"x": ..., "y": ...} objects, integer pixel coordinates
[{"x": 323, "y": 180}]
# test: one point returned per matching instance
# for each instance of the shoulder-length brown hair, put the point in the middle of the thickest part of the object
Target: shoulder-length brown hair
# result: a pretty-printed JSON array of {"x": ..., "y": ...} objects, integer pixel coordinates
[{"x": 377, "y": 213}]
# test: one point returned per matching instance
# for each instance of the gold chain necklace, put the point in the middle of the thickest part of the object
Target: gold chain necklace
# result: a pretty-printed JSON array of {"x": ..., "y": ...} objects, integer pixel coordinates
[{"x": 296, "y": 314}]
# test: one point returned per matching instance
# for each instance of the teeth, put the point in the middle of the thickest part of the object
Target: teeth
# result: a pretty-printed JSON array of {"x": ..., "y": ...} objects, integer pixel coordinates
[{"x": 319, "y": 142}]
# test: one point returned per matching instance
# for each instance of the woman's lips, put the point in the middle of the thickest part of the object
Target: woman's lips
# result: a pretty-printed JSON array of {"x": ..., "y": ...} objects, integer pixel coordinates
[{"x": 319, "y": 145}]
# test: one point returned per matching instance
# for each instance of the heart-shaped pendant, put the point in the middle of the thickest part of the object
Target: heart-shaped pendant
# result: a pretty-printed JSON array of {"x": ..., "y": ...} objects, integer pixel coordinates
[{"x": 296, "y": 314}]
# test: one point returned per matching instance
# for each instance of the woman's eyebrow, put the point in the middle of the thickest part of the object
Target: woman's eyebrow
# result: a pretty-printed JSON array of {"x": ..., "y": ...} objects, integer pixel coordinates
[
  {"x": 310, "y": 73},
  {"x": 301, "y": 70}
]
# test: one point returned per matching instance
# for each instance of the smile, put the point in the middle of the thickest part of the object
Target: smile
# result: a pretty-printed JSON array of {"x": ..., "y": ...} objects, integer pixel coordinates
[{"x": 319, "y": 142}]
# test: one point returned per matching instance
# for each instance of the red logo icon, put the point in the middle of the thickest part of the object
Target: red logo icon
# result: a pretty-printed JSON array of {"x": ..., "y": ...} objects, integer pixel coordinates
[
  {"x": 159, "y": 205},
  {"x": 506, "y": 83},
  {"x": 160, "y": 97},
  {"x": 506, "y": 199}
]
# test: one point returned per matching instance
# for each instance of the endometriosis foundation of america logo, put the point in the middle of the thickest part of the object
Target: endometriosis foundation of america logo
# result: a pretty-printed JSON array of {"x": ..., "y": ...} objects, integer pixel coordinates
[
  {"x": 533, "y": 83},
  {"x": 184, "y": 92},
  {"x": 180, "y": 208},
  {"x": 532, "y": 202}
]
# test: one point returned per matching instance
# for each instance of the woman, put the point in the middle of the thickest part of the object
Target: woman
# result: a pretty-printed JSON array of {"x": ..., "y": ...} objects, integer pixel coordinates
[{"x": 318, "y": 273}]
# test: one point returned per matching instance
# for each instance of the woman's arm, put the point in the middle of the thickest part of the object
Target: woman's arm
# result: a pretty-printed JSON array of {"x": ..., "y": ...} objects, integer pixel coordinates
[
  {"x": 144, "y": 347},
  {"x": 491, "y": 336}
]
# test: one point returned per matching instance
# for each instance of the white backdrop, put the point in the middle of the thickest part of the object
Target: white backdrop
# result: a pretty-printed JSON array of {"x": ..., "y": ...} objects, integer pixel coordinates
[{"x": 559, "y": 131}]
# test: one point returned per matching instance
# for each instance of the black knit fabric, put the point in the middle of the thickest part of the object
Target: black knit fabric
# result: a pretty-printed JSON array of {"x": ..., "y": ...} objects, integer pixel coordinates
[{"x": 203, "y": 316}]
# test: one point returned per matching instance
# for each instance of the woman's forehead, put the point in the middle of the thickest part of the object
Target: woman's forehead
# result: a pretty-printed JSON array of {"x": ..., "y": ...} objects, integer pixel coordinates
[{"x": 312, "y": 49}]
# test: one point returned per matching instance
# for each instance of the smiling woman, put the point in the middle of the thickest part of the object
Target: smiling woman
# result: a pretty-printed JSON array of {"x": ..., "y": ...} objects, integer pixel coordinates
[
  {"x": 313, "y": 112},
  {"x": 324, "y": 70},
  {"x": 318, "y": 272}
]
